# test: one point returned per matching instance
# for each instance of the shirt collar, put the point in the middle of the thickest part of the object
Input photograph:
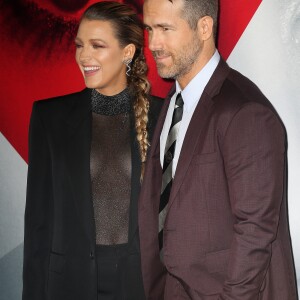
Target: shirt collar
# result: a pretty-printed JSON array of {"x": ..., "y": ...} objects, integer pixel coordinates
[{"x": 192, "y": 92}]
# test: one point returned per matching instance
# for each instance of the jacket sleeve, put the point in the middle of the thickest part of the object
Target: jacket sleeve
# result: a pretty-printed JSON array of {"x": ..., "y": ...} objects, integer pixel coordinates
[
  {"x": 38, "y": 212},
  {"x": 254, "y": 150}
]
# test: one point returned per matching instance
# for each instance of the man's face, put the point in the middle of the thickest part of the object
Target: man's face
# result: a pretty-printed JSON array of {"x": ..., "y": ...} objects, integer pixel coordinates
[{"x": 174, "y": 45}]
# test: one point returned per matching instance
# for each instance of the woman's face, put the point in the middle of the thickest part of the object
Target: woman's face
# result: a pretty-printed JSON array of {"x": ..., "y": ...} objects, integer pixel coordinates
[{"x": 100, "y": 57}]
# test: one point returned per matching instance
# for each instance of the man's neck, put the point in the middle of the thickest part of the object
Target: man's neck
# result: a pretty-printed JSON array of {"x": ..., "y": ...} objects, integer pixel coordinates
[{"x": 198, "y": 65}]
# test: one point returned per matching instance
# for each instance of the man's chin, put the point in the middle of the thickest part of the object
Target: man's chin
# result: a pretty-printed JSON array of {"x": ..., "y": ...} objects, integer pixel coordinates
[{"x": 163, "y": 72}]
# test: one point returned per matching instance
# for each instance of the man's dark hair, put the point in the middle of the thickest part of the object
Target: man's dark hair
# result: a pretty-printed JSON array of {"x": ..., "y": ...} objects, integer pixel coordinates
[{"x": 193, "y": 10}]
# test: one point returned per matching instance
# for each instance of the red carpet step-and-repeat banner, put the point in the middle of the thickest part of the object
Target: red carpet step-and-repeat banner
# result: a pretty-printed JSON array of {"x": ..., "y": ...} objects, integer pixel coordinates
[{"x": 260, "y": 38}]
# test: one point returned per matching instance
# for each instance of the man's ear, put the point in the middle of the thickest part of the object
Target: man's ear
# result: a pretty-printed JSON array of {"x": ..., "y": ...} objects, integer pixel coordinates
[{"x": 205, "y": 28}]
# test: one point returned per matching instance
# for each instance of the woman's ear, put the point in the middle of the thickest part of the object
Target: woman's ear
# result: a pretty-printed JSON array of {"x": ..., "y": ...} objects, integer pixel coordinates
[{"x": 129, "y": 51}]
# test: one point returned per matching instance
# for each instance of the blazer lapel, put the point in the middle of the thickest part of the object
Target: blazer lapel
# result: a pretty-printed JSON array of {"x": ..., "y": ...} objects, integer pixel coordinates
[
  {"x": 78, "y": 142},
  {"x": 135, "y": 179},
  {"x": 197, "y": 125}
]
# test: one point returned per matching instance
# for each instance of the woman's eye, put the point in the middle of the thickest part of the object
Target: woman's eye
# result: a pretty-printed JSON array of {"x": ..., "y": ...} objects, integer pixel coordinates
[{"x": 97, "y": 46}]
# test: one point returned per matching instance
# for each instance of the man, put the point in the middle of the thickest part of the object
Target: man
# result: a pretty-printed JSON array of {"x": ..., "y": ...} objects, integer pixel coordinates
[{"x": 213, "y": 211}]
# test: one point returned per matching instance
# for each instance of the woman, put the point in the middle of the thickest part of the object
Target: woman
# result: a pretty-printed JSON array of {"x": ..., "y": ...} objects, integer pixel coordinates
[{"x": 86, "y": 160}]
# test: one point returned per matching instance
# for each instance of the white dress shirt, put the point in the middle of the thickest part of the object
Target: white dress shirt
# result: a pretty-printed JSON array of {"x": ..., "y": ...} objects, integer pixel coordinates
[{"x": 191, "y": 96}]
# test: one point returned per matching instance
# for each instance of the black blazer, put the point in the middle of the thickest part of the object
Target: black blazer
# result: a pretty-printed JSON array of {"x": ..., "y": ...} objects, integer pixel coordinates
[{"x": 59, "y": 243}]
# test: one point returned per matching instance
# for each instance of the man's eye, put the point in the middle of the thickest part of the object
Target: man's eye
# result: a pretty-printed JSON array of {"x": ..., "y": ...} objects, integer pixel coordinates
[{"x": 165, "y": 28}]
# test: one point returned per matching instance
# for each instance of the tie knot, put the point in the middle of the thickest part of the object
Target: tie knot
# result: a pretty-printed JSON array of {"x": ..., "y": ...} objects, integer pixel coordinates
[{"x": 179, "y": 100}]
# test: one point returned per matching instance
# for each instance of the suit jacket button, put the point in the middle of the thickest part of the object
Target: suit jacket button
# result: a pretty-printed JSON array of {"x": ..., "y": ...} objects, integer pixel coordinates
[{"x": 92, "y": 255}]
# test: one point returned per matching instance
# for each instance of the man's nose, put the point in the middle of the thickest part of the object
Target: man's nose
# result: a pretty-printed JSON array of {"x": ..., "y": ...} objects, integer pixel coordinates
[{"x": 155, "y": 42}]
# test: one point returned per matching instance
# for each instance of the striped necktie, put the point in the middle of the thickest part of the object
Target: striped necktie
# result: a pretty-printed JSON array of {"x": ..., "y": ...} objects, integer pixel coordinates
[{"x": 167, "y": 178}]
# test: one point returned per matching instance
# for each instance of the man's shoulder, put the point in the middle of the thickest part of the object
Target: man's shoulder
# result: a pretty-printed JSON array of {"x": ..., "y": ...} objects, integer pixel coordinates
[
  {"x": 240, "y": 94},
  {"x": 238, "y": 90}
]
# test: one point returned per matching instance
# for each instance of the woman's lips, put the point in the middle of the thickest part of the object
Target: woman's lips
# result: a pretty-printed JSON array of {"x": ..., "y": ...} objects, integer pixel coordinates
[{"x": 90, "y": 70}]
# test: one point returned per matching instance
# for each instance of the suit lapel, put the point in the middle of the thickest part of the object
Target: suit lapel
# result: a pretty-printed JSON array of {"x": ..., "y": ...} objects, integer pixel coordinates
[
  {"x": 78, "y": 142},
  {"x": 197, "y": 125}
]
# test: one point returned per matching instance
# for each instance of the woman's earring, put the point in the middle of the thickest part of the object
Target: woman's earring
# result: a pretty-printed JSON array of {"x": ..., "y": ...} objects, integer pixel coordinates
[{"x": 127, "y": 63}]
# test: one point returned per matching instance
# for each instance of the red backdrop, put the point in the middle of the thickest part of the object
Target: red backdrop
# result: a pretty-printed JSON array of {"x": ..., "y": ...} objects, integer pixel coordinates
[{"x": 37, "y": 55}]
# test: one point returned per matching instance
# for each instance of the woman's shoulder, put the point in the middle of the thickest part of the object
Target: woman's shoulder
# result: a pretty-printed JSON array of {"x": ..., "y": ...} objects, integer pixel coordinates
[
  {"x": 62, "y": 100},
  {"x": 55, "y": 109}
]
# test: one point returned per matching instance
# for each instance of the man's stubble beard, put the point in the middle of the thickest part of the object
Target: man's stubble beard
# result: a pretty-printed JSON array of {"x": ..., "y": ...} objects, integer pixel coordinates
[{"x": 183, "y": 60}]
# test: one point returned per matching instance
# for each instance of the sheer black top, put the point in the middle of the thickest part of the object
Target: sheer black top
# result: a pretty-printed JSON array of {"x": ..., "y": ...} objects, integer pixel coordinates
[{"x": 110, "y": 165}]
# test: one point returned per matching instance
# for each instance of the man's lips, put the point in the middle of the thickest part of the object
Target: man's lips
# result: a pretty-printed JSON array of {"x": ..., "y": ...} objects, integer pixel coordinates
[{"x": 162, "y": 57}]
